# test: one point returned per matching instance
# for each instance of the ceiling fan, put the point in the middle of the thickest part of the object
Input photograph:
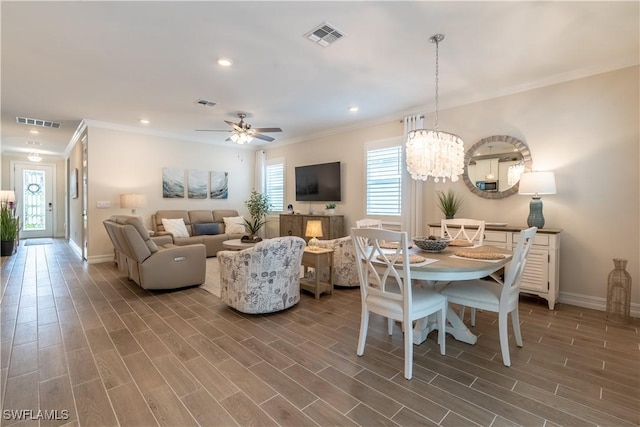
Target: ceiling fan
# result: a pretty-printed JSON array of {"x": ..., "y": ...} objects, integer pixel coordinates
[{"x": 242, "y": 132}]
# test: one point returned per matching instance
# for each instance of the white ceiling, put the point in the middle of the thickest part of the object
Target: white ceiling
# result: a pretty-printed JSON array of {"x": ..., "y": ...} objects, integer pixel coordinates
[{"x": 119, "y": 62}]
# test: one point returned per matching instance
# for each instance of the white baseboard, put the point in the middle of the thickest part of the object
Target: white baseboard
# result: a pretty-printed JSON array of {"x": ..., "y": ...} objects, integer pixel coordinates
[
  {"x": 100, "y": 259},
  {"x": 595, "y": 303}
]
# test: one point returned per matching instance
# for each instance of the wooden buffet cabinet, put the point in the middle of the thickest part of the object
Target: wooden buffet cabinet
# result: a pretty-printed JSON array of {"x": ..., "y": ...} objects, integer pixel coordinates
[
  {"x": 295, "y": 225},
  {"x": 542, "y": 273}
]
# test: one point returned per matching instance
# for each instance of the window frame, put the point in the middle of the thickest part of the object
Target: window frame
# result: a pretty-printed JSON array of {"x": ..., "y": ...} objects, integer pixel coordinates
[{"x": 271, "y": 163}]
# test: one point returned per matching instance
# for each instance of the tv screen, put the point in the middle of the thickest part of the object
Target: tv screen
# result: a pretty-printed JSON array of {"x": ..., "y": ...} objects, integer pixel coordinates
[{"x": 318, "y": 183}]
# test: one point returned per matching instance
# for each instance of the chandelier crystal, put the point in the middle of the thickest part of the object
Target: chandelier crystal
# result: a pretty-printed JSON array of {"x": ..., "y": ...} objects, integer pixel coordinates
[{"x": 431, "y": 152}]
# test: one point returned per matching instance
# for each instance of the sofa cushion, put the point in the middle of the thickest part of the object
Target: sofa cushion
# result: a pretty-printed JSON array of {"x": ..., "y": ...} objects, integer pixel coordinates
[
  {"x": 200, "y": 216},
  {"x": 234, "y": 225},
  {"x": 219, "y": 214},
  {"x": 175, "y": 227},
  {"x": 207, "y": 228}
]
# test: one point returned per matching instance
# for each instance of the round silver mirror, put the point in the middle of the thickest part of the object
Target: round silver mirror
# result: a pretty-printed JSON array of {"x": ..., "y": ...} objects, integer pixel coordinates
[{"x": 493, "y": 165}]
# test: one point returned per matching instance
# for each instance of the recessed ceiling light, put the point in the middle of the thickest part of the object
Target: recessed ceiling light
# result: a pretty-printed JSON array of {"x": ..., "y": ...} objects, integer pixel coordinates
[
  {"x": 353, "y": 109},
  {"x": 144, "y": 121},
  {"x": 33, "y": 143},
  {"x": 225, "y": 62},
  {"x": 34, "y": 131}
]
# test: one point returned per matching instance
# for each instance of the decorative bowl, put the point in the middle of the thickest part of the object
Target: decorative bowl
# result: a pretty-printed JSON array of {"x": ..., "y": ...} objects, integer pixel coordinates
[{"x": 431, "y": 243}]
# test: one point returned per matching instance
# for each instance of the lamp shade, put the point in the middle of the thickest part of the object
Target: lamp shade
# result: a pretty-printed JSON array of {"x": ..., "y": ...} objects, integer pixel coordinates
[
  {"x": 133, "y": 201},
  {"x": 7, "y": 196},
  {"x": 314, "y": 228},
  {"x": 537, "y": 183}
]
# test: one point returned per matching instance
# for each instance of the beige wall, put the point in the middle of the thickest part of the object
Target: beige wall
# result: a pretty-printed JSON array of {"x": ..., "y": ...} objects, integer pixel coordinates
[
  {"x": 586, "y": 131},
  {"x": 126, "y": 162}
]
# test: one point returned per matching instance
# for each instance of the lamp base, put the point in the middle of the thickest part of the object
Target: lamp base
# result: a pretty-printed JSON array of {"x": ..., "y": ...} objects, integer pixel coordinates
[
  {"x": 313, "y": 242},
  {"x": 535, "y": 218}
]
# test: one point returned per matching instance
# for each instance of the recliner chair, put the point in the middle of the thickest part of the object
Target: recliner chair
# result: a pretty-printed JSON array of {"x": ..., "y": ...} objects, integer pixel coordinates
[{"x": 152, "y": 266}]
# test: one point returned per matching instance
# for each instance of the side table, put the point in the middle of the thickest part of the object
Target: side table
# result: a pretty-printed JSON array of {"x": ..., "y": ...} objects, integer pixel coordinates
[{"x": 317, "y": 258}]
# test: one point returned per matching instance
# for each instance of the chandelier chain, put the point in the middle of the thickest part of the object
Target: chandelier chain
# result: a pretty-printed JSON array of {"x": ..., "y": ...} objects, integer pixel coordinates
[{"x": 437, "y": 42}]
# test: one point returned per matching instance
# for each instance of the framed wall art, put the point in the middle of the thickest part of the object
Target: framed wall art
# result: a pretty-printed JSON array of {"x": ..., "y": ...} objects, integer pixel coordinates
[
  {"x": 172, "y": 183},
  {"x": 219, "y": 185}
]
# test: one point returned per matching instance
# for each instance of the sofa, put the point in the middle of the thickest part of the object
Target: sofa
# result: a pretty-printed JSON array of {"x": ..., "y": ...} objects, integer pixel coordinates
[
  {"x": 264, "y": 278},
  {"x": 152, "y": 265},
  {"x": 203, "y": 226}
]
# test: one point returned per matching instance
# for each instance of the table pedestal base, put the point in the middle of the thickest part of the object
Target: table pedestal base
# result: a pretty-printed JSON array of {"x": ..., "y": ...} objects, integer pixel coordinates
[{"x": 455, "y": 326}]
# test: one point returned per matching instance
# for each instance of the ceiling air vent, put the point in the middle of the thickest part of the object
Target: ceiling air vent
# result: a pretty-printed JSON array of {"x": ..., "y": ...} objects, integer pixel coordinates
[
  {"x": 324, "y": 34},
  {"x": 206, "y": 103},
  {"x": 37, "y": 122}
]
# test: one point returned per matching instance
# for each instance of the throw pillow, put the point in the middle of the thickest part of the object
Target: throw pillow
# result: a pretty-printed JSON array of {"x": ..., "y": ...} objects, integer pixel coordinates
[
  {"x": 206, "y": 228},
  {"x": 234, "y": 225},
  {"x": 175, "y": 227}
]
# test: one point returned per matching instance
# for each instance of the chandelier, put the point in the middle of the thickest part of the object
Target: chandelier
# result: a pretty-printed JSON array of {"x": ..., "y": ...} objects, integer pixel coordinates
[{"x": 431, "y": 152}]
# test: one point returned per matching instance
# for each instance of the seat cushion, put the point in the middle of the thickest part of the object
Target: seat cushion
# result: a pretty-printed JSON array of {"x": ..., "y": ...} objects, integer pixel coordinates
[
  {"x": 474, "y": 293},
  {"x": 175, "y": 227}
]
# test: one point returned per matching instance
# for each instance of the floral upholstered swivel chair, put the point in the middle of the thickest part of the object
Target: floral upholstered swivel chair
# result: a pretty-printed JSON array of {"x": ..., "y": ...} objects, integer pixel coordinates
[
  {"x": 344, "y": 262},
  {"x": 264, "y": 278}
]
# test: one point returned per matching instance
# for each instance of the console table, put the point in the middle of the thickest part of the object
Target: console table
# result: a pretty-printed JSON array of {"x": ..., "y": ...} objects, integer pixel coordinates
[
  {"x": 541, "y": 275},
  {"x": 296, "y": 224}
]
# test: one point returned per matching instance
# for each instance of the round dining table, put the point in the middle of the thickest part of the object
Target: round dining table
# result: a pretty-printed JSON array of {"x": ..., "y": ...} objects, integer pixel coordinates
[{"x": 443, "y": 267}]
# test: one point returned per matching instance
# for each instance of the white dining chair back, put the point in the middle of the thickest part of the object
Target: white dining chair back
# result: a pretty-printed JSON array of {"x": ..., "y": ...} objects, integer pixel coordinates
[
  {"x": 369, "y": 223},
  {"x": 471, "y": 230},
  {"x": 500, "y": 298},
  {"x": 386, "y": 290}
]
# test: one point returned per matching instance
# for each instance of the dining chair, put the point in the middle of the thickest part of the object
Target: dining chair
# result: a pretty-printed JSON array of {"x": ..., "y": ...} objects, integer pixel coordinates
[
  {"x": 458, "y": 229},
  {"x": 455, "y": 229},
  {"x": 386, "y": 289},
  {"x": 496, "y": 297},
  {"x": 369, "y": 223}
]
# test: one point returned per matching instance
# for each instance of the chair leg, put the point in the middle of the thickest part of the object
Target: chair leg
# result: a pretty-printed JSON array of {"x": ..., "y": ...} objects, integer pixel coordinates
[
  {"x": 515, "y": 320},
  {"x": 461, "y": 314},
  {"x": 390, "y": 323},
  {"x": 408, "y": 351},
  {"x": 473, "y": 316},
  {"x": 504, "y": 338},
  {"x": 442, "y": 326},
  {"x": 364, "y": 324}
]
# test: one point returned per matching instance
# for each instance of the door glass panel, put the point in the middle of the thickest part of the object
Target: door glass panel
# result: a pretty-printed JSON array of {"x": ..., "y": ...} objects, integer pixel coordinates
[{"x": 33, "y": 205}]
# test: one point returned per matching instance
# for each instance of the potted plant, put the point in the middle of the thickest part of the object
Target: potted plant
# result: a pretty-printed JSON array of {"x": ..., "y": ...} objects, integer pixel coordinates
[
  {"x": 449, "y": 203},
  {"x": 259, "y": 207},
  {"x": 331, "y": 208},
  {"x": 8, "y": 228}
]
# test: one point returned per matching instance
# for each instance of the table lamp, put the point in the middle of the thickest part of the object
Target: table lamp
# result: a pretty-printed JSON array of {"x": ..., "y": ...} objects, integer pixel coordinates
[
  {"x": 536, "y": 184},
  {"x": 314, "y": 230},
  {"x": 133, "y": 201}
]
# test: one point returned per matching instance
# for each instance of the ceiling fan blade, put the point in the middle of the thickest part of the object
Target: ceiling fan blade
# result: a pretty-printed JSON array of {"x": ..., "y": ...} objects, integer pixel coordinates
[
  {"x": 236, "y": 126},
  {"x": 263, "y": 137},
  {"x": 267, "y": 129},
  {"x": 213, "y": 130}
]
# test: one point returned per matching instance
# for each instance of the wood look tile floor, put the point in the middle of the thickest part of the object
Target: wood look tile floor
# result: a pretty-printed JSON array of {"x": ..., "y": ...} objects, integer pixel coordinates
[{"x": 86, "y": 346}]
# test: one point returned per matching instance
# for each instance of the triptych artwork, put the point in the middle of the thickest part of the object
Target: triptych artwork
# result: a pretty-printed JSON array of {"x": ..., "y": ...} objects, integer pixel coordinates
[{"x": 198, "y": 184}]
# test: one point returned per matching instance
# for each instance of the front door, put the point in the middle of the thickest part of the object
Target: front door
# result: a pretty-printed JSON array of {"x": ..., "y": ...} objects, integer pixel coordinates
[{"x": 34, "y": 198}]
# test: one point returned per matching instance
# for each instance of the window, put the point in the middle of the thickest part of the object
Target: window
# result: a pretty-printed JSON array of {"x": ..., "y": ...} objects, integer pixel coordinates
[
  {"x": 384, "y": 180},
  {"x": 274, "y": 185}
]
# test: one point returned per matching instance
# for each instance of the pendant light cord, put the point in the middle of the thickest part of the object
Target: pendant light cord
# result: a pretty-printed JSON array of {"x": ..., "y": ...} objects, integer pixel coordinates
[{"x": 437, "y": 39}]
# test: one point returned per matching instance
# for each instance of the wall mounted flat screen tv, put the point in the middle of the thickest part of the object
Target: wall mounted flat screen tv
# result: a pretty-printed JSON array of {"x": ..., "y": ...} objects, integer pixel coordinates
[{"x": 318, "y": 183}]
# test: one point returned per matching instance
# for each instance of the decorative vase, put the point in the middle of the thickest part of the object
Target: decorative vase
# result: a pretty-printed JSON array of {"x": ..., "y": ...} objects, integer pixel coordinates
[
  {"x": 448, "y": 217},
  {"x": 6, "y": 247},
  {"x": 331, "y": 211},
  {"x": 619, "y": 293}
]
